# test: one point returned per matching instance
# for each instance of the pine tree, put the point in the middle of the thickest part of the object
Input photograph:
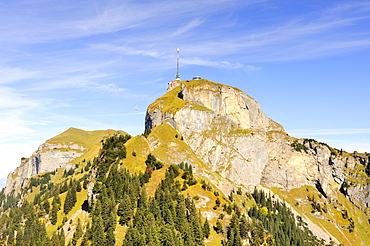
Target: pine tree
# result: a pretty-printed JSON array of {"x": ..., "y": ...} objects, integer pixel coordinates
[
  {"x": 97, "y": 232},
  {"x": 143, "y": 200},
  {"x": 54, "y": 210},
  {"x": 206, "y": 229},
  {"x": 218, "y": 227},
  {"x": 109, "y": 236},
  {"x": 71, "y": 199},
  {"x": 131, "y": 237},
  {"x": 78, "y": 232},
  {"x": 167, "y": 236},
  {"x": 34, "y": 231},
  {"x": 46, "y": 206},
  {"x": 58, "y": 238},
  {"x": 125, "y": 210},
  {"x": 244, "y": 227}
]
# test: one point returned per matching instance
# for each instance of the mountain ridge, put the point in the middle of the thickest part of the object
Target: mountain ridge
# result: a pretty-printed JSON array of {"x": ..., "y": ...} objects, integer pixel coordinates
[
  {"x": 261, "y": 153},
  {"x": 232, "y": 116},
  {"x": 229, "y": 142},
  {"x": 61, "y": 151}
]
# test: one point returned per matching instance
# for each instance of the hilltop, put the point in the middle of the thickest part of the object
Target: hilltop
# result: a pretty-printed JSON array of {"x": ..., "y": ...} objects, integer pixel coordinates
[{"x": 208, "y": 153}]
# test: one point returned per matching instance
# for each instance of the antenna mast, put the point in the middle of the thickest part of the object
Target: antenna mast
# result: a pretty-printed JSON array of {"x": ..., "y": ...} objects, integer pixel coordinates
[{"x": 178, "y": 65}]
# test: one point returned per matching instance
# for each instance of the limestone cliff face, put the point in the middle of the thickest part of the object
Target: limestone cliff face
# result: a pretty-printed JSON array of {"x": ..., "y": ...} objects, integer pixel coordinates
[
  {"x": 227, "y": 129},
  {"x": 47, "y": 158},
  {"x": 58, "y": 152}
]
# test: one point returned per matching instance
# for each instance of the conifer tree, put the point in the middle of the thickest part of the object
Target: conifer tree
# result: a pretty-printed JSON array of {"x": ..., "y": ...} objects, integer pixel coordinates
[
  {"x": 125, "y": 210},
  {"x": 206, "y": 229},
  {"x": 46, "y": 206},
  {"x": 218, "y": 227},
  {"x": 71, "y": 199},
  {"x": 34, "y": 231},
  {"x": 58, "y": 238},
  {"x": 131, "y": 237},
  {"x": 143, "y": 200},
  {"x": 109, "y": 236},
  {"x": 78, "y": 232},
  {"x": 20, "y": 238},
  {"x": 97, "y": 232},
  {"x": 54, "y": 211}
]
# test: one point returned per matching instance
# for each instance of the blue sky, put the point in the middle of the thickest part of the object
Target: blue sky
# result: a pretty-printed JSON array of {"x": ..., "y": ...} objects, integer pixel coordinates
[{"x": 89, "y": 64}]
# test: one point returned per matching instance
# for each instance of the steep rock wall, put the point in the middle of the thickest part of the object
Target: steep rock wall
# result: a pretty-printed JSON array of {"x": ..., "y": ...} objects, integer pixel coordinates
[
  {"x": 47, "y": 158},
  {"x": 227, "y": 129}
]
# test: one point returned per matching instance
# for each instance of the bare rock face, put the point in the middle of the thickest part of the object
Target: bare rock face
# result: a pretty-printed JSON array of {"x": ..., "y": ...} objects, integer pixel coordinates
[
  {"x": 227, "y": 130},
  {"x": 47, "y": 158},
  {"x": 223, "y": 126}
]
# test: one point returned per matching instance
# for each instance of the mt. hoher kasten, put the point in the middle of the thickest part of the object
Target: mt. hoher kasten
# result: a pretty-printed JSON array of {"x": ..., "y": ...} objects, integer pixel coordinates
[{"x": 211, "y": 168}]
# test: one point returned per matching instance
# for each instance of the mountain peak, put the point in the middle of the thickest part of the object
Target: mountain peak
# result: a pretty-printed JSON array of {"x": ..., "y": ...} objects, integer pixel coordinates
[
  {"x": 229, "y": 132},
  {"x": 219, "y": 134},
  {"x": 211, "y": 98}
]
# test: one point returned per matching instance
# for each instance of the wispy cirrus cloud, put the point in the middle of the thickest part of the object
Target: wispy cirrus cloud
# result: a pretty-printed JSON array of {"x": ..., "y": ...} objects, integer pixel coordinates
[
  {"x": 14, "y": 74},
  {"x": 61, "y": 59},
  {"x": 218, "y": 64},
  {"x": 44, "y": 22},
  {"x": 191, "y": 25},
  {"x": 13, "y": 99},
  {"x": 128, "y": 50}
]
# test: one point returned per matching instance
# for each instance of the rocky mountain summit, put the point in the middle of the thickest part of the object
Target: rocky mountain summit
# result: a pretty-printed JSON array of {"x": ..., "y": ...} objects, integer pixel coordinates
[
  {"x": 229, "y": 132},
  {"x": 219, "y": 134}
]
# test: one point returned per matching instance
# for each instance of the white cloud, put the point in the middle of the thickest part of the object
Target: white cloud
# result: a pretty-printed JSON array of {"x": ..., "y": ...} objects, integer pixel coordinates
[
  {"x": 109, "y": 88},
  {"x": 182, "y": 30},
  {"x": 9, "y": 75},
  {"x": 218, "y": 64},
  {"x": 12, "y": 126},
  {"x": 129, "y": 50},
  {"x": 11, "y": 99}
]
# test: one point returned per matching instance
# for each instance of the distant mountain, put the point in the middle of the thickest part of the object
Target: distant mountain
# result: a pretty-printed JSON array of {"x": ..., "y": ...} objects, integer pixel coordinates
[{"x": 211, "y": 168}]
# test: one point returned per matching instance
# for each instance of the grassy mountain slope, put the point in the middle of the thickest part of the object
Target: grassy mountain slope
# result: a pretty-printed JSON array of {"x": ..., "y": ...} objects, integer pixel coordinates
[
  {"x": 208, "y": 199},
  {"x": 91, "y": 140}
]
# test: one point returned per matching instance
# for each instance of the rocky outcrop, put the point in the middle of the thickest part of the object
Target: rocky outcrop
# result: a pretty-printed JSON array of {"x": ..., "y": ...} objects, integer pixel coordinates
[
  {"x": 227, "y": 130},
  {"x": 47, "y": 158}
]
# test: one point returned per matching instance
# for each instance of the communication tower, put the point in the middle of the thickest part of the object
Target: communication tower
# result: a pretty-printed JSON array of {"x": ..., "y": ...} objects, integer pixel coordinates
[{"x": 178, "y": 65}]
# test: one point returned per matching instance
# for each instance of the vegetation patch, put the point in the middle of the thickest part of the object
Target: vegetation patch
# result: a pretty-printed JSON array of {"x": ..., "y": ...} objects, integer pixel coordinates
[
  {"x": 170, "y": 102},
  {"x": 241, "y": 131},
  {"x": 339, "y": 218},
  {"x": 297, "y": 146},
  {"x": 200, "y": 108}
]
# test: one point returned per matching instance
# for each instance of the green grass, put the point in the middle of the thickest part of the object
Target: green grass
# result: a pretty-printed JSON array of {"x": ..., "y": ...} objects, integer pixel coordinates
[
  {"x": 203, "y": 82},
  {"x": 241, "y": 131},
  {"x": 169, "y": 149},
  {"x": 139, "y": 145},
  {"x": 91, "y": 140},
  {"x": 170, "y": 102},
  {"x": 155, "y": 180},
  {"x": 120, "y": 234},
  {"x": 81, "y": 197},
  {"x": 200, "y": 108}
]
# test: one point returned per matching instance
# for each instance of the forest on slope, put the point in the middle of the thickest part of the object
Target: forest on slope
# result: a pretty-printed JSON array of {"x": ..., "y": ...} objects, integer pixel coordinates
[{"x": 101, "y": 202}]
